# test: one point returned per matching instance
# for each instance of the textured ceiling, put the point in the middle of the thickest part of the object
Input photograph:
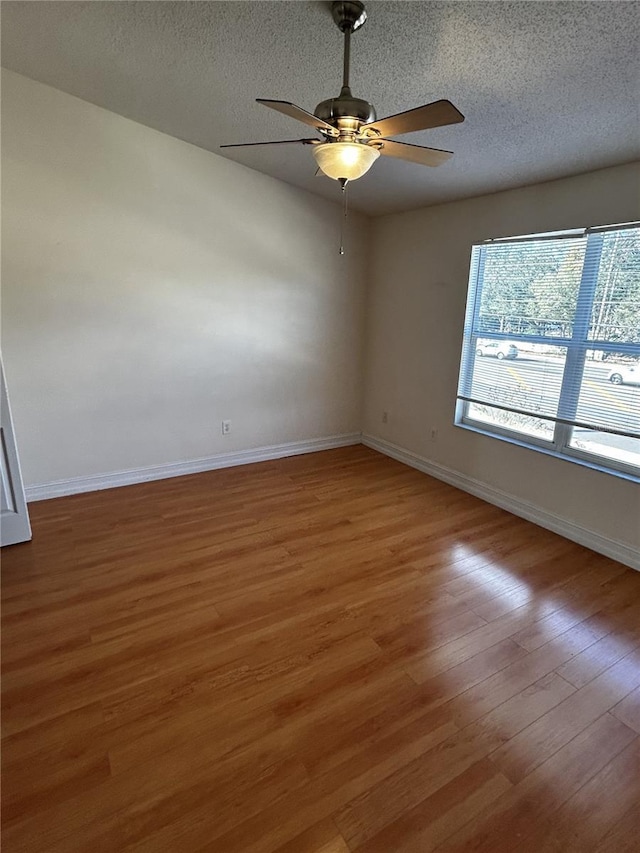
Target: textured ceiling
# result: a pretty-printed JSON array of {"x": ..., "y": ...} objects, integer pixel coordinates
[{"x": 548, "y": 89}]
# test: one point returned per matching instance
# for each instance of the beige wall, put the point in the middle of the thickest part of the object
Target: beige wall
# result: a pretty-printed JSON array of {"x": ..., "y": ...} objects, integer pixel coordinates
[
  {"x": 415, "y": 322},
  {"x": 152, "y": 289}
]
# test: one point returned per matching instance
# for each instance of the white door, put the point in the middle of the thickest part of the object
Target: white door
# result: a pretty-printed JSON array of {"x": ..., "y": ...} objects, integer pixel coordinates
[{"x": 14, "y": 518}]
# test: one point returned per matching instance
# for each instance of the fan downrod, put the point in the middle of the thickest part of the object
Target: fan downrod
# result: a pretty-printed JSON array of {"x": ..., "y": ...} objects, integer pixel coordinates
[{"x": 349, "y": 15}]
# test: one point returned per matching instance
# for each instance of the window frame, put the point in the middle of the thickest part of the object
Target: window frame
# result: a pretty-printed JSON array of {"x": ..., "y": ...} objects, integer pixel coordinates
[{"x": 576, "y": 348}]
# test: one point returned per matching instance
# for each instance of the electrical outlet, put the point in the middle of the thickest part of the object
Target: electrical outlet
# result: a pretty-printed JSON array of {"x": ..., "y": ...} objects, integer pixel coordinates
[
  {"x": 226, "y": 427},
  {"x": 385, "y": 417}
]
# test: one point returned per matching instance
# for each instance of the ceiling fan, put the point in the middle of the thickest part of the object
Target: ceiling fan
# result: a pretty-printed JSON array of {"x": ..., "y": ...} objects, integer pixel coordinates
[{"x": 352, "y": 137}]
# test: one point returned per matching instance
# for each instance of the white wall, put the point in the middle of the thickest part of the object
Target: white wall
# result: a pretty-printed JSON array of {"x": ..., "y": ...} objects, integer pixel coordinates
[
  {"x": 151, "y": 289},
  {"x": 415, "y": 322}
]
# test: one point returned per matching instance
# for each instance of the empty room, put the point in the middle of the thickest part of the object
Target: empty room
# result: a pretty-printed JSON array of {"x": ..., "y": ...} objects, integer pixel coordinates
[{"x": 320, "y": 447}]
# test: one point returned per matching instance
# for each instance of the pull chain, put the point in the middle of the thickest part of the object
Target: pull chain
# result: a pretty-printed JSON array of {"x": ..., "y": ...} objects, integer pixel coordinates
[{"x": 343, "y": 184}]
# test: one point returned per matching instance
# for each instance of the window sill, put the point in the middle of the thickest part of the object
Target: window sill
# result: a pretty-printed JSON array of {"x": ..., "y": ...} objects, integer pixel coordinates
[{"x": 576, "y": 459}]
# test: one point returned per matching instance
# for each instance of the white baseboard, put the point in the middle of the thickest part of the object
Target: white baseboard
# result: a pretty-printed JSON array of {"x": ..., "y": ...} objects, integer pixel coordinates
[
  {"x": 596, "y": 542},
  {"x": 602, "y": 544},
  {"x": 77, "y": 485}
]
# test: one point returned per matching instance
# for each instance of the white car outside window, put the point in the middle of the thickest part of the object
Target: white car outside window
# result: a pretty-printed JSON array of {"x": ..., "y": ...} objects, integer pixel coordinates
[
  {"x": 623, "y": 374},
  {"x": 497, "y": 349}
]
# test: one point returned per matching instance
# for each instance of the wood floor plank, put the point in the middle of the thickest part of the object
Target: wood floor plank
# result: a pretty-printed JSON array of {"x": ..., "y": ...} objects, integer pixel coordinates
[
  {"x": 593, "y": 811},
  {"x": 423, "y": 827},
  {"x": 548, "y": 733},
  {"x": 240, "y": 700},
  {"x": 628, "y": 710},
  {"x": 409, "y": 640},
  {"x": 47, "y": 779},
  {"x": 521, "y": 674},
  {"x": 597, "y": 658},
  {"x": 322, "y": 837},
  {"x": 363, "y": 724},
  {"x": 373, "y": 810},
  {"x": 428, "y": 662},
  {"x": 623, "y": 837},
  {"x": 342, "y": 655},
  {"x": 475, "y": 670},
  {"x": 325, "y": 793},
  {"x": 532, "y": 803},
  {"x": 523, "y": 709}
]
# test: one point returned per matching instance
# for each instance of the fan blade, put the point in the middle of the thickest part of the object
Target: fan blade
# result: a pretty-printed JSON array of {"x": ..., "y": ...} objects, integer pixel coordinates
[
  {"x": 298, "y": 113},
  {"x": 414, "y": 153},
  {"x": 277, "y": 142},
  {"x": 436, "y": 114}
]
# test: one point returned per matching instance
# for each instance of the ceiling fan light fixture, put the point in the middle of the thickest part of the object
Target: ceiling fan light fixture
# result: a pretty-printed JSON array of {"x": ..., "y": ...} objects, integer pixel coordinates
[
  {"x": 352, "y": 136},
  {"x": 345, "y": 160}
]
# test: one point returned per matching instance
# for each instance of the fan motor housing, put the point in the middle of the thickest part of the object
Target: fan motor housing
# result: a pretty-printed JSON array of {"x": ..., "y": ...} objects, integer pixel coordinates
[{"x": 345, "y": 107}]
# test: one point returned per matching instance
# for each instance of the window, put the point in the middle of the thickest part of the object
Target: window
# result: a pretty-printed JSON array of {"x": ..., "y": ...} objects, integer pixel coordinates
[{"x": 551, "y": 349}]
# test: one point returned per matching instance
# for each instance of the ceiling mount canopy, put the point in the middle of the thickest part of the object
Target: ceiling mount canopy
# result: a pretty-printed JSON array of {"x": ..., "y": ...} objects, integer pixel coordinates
[
  {"x": 352, "y": 138},
  {"x": 349, "y": 15}
]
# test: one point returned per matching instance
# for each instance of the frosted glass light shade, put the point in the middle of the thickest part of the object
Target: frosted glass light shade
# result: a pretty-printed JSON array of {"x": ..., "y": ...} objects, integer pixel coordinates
[{"x": 348, "y": 160}]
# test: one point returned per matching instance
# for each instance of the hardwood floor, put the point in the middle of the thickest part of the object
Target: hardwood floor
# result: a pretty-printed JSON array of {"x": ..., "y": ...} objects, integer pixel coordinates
[{"x": 323, "y": 654}]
